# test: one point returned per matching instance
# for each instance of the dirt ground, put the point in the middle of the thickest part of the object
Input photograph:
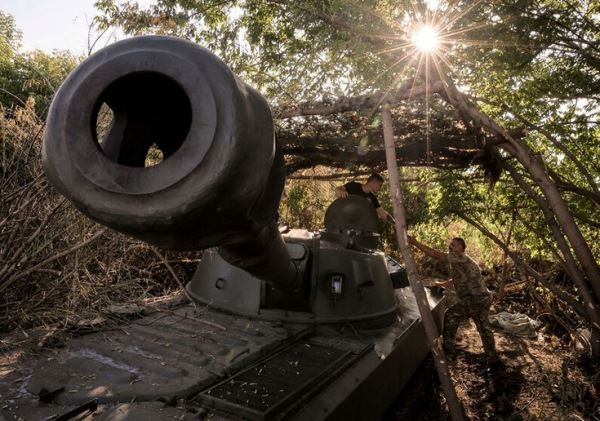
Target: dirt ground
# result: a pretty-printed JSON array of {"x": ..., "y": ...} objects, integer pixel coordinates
[{"x": 542, "y": 380}]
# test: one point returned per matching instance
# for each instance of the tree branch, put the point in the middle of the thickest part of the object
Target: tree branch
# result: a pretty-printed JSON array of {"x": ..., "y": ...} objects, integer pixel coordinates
[{"x": 406, "y": 91}]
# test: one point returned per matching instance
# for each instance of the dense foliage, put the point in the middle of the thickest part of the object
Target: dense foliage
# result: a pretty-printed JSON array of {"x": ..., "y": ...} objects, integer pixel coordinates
[
  {"x": 533, "y": 66},
  {"x": 34, "y": 74}
]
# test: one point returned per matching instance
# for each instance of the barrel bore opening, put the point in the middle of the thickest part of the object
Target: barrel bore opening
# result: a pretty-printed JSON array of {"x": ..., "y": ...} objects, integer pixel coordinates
[{"x": 141, "y": 119}]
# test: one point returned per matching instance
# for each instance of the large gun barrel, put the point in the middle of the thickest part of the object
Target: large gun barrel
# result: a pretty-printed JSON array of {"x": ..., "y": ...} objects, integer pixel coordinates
[{"x": 222, "y": 173}]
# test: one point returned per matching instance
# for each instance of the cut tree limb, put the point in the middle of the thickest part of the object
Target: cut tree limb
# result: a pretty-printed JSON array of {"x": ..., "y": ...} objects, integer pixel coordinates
[
  {"x": 174, "y": 275},
  {"x": 433, "y": 338}
]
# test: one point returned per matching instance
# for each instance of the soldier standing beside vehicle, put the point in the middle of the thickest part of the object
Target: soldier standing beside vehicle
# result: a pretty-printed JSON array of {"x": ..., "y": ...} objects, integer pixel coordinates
[{"x": 474, "y": 297}]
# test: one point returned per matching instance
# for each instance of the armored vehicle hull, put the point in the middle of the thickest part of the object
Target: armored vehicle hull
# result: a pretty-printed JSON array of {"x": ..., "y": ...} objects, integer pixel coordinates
[{"x": 178, "y": 364}]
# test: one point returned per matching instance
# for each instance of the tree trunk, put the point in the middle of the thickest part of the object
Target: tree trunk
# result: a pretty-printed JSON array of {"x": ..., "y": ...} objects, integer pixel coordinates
[
  {"x": 503, "y": 275},
  {"x": 590, "y": 303},
  {"x": 535, "y": 166},
  {"x": 569, "y": 260},
  {"x": 433, "y": 338}
]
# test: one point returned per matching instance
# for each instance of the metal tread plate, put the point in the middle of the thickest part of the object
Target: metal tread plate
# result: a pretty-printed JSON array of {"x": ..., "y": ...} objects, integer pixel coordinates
[
  {"x": 159, "y": 356},
  {"x": 282, "y": 381}
]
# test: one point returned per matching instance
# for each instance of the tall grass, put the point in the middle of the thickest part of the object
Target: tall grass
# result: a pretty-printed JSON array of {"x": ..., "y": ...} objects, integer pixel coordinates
[{"x": 57, "y": 267}]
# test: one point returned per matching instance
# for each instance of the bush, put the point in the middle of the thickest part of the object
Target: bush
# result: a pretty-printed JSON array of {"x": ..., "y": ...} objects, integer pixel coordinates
[{"x": 57, "y": 266}]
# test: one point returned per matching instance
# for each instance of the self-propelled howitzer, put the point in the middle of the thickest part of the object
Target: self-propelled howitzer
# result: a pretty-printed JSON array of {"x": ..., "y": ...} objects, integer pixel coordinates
[{"x": 297, "y": 324}]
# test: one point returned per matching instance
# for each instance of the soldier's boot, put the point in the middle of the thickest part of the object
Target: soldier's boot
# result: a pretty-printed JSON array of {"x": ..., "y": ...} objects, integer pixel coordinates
[
  {"x": 449, "y": 343},
  {"x": 494, "y": 364},
  {"x": 493, "y": 361},
  {"x": 450, "y": 351}
]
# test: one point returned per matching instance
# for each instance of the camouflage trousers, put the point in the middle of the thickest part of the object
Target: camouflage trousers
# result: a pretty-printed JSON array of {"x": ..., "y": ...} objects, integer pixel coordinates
[{"x": 478, "y": 309}]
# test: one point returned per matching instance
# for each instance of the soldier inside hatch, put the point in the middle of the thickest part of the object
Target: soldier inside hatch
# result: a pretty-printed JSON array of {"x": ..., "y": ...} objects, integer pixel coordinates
[
  {"x": 474, "y": 297},
  {"x": 367, "y": 190}
]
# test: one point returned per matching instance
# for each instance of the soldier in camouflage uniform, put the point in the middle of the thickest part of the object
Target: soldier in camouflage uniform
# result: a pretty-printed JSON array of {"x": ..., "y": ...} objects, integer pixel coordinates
[{"x": 474, "y": 297}]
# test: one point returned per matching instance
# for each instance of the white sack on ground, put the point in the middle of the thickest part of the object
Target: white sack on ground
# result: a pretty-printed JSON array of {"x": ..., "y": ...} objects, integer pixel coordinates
[{"x": 515, "y": 323}]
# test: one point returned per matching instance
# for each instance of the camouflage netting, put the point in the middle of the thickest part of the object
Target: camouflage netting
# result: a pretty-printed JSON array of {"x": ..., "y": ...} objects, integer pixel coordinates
[{"x": 353, "y": 140}]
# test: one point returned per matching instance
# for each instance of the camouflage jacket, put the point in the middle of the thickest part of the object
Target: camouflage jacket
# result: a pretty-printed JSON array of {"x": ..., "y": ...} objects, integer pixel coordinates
[{"x": 466, "y": 275}]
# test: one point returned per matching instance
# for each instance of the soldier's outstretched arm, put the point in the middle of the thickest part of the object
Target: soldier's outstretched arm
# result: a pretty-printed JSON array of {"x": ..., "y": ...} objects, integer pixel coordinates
[{"x": 438, "y": 255}]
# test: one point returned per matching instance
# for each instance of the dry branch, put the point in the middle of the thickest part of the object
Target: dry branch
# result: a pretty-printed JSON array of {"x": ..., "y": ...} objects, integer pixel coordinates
[
  {"x": 172, "y": 272},
  {"x": 563, "y": 295},
  {"x": 358, "y": 103},
  {"x": 45, "y": 262}
]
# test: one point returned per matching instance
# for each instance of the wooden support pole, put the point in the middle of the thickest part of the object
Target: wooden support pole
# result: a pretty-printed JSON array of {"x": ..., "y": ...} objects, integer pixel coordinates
[{"x": 433, "y": 338}]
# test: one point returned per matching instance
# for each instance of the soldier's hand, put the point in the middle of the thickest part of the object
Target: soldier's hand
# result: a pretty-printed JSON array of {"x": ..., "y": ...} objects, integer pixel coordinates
[{"x": 343, "y": 194}]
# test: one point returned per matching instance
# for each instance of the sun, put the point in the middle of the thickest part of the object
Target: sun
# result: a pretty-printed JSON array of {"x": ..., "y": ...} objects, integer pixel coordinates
[{"x": 425, "y": 39}]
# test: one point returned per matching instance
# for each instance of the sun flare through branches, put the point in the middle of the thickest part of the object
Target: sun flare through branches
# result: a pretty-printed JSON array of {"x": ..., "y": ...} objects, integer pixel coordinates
[{"x": 425, "y": 39}]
